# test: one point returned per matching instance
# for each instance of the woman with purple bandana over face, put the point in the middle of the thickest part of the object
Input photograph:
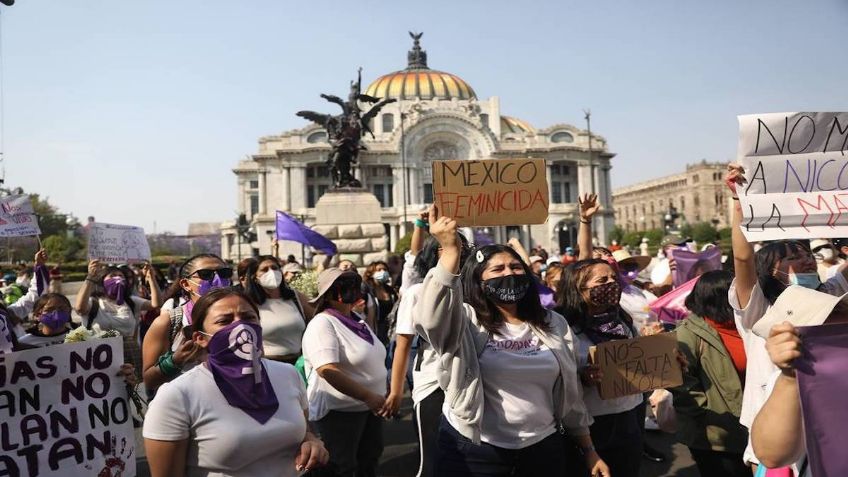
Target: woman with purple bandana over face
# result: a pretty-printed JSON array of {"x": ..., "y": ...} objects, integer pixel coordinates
[
  {"x": 106, "y": 300},
  {"x": 166, "y": 351},
  {"x": 52, "y": 316},
  {"x": 345, "y": 365},
  {"x": 236, "y": 414}
]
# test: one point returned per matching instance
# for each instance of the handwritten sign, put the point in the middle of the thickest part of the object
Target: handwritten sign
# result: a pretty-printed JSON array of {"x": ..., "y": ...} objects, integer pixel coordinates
[
  {"x": 64, "y": 412},
  {"x": 797, "y": 174},
  {"x": 492, "y": 191},
  {"x": 117, "y": 243},
  {"x": 637, "y": 365},
  {"x": 17, "y": 218}
]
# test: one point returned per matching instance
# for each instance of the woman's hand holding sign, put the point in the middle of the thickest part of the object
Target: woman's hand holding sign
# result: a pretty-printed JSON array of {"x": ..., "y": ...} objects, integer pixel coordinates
[{"x": 444, "y": 230}]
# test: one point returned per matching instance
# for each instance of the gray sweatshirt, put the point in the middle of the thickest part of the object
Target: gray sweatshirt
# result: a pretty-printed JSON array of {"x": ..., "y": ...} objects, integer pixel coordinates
[{"x": 452, "y": 329}]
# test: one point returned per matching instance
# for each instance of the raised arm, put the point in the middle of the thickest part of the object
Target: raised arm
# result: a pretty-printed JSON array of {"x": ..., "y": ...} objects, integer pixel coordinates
[
  {"x": 743, "y": 252},
  {"x": 82, "y": 304},
  {"x": 420, "y": 233},
  {"x": 589, "y": 205},
  {"x": 440, "y": 316},
  {"x": 155, "y": 291}
]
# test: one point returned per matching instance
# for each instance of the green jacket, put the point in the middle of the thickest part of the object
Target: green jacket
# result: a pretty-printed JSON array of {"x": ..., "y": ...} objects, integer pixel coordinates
[{"x": 709, "y": 401}]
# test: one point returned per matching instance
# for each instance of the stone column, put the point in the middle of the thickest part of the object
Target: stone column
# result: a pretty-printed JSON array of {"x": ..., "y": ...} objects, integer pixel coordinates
[
  {"x": 600, "y": 185},
  {"x": 263, "y": 193},
  {"x": 550, "y": 185},
  {"x": 414, "y": 185},
  {"x": 584, "y": 178},
  {"x": 398, "y": 189},
  {"x": 243, "y": 205},
  {"x": 297, "y": 180},
  {"x": 393, "y": 235},
  {"x": 285, "y": 192}
]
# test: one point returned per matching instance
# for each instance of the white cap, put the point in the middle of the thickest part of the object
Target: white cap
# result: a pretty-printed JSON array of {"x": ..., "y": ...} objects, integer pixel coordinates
[{"x": 799, "y": 306}]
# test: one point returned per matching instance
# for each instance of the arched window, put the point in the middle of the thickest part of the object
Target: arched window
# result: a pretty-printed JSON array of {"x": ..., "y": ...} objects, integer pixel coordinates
[
  {"x": 388, "y": 122},
  {"x": 319, "y": 136},
  {"x": 562, "y": 136}
]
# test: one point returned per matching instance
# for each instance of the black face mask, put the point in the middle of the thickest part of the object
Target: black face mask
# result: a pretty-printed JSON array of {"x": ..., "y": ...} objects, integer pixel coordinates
[
  {"x": 507, "y": 289},
  {"x": 348, "y": 291}
]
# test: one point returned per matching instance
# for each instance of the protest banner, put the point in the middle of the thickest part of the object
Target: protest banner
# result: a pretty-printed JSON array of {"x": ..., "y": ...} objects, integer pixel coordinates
[
  {"x": 691, "y": 265},
  {"x": 492, "y": 191},
  {"x": 637, "y": 365},
  {"x": 797, "y": 175},
  {"x": 64, "y": 412},
  {"x": 117, "y": 243},
  {"x": 823, "y": 386},
  {"x": 17, "y": 218}
]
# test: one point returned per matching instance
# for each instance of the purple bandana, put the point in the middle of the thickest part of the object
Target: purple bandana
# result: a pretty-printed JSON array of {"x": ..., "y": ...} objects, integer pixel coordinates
[
  {"x": 606, "y": 327},
  {"x": 42, "y": 278},
  {"x": 115, "y": 287},
  {"x": 56, "y": 319},
  {"x": 187, "y": 311},
  {"x": 234, "y": 359},
  {"x": 208, "y": 285},
  {"x": 358, "y": 327}
]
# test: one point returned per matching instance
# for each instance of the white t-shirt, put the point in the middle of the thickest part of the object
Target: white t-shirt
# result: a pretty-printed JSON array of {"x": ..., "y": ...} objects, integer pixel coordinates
[
  {"x": 282, "y": 326},
  {"x": 591, "y": 397},
  {"x": 635, "y": 302},
  {"x": 518, "y": 374},
  {"x": 224, "y": 441},
  {"x": 409, "y": 276},
  {"x": 425, "y": 375},
  {"x": 121, "y": 318},
  {"x": 760, "y": 368},
  {"x": 660, "y": 272},
  {"x": 327, "y": 341}
]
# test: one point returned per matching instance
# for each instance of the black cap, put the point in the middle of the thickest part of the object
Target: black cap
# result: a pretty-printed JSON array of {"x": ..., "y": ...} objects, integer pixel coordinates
[{"x": 839, "y": 242}]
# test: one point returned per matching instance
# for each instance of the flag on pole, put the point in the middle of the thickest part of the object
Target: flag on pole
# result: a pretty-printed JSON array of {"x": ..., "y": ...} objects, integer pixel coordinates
[{"x": 289, "y": 228}]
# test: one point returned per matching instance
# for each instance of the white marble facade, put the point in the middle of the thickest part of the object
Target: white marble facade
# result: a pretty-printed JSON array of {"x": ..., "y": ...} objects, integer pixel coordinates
[{"x": 442, "y": 119}]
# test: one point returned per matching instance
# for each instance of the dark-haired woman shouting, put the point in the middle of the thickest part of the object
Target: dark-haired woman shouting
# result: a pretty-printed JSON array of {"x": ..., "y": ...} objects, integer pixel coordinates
[{"x": 507, "y": 366}]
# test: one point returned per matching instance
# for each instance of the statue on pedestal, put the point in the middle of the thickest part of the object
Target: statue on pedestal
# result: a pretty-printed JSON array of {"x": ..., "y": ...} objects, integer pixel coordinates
[{"x": 345, "y": 130}]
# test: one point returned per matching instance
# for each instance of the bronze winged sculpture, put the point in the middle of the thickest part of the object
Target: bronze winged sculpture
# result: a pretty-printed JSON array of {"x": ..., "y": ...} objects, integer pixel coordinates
[{"x": 345, "y": 131}]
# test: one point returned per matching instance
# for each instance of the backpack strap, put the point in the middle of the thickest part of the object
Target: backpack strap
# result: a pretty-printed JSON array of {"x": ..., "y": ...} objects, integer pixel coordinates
[
  {"x": 93, "y": 310},
  {"x": 176, "y": 324}
]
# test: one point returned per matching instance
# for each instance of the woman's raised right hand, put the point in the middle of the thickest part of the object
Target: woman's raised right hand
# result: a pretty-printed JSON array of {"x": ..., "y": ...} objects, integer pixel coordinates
[
  {"x": 93, "y": 268},
  {"x": 443, "y": 229},
  {"x": 784, "y": 347}
]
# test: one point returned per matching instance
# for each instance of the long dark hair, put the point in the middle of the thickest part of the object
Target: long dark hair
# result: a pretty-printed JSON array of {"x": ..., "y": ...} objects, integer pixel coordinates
[
  {"x": 255, "y": 291},
  {"x": 530, "y": 307},
  {"x": 201, "y": 308},
  {"x": 428, "y": 256},
  {"x": 709, "y": 296},
  {"x": 570, "y": 302},
  {"x": 99, "y": 291},
  {"x": 323, "y": 301},
  {"x": 766, "y": 260}
]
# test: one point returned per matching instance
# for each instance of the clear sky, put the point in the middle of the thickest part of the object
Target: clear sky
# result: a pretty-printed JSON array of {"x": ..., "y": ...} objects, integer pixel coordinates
[{"x": 136, "y": 111}]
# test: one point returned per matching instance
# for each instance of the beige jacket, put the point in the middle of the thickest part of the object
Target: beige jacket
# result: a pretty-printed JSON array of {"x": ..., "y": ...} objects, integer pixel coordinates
[{"x": 452, "y": 329}]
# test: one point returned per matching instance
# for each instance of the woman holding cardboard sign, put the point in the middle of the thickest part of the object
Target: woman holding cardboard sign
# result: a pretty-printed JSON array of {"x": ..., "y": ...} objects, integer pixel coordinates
[{"x": 500, "y": 350}]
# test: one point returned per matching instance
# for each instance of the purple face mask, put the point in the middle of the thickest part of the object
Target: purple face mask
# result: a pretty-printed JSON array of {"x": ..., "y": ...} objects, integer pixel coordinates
[
  {"x": 208, "y": 285},
  {"x": 56, "y": 319},
  {"x": 234, "y": 354},
  {"x": 628, "y": 276},
  {"x": 115, "y": 287}
]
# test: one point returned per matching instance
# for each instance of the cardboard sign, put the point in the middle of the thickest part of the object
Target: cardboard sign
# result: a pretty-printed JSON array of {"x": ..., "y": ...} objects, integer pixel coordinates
[
  {"x": 797, "y": 174},
  {"x": 492, "y": 191},
  {"x": 17, "y": 218},
  {"x": 117, "y": 243},
  {"x": 64, "y": 412},
  {"x": 637, "y": 365}
]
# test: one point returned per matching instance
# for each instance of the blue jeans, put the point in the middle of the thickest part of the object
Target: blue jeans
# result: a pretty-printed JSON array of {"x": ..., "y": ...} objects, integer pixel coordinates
[{"x": 459, "y": 457}]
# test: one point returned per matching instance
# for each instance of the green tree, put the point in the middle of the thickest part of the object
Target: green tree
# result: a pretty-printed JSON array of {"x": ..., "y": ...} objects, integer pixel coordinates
[
  {"x": 617, "y": 234},
  {"x": 61, "y": 248},
  {"x": 404, "y": 244},
  {"x": 50, "y": 220},
  {"x": 703, "y": 233}
]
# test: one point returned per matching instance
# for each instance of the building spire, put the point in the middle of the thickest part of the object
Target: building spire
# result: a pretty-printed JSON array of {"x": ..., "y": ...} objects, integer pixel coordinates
[{"x": 416, "y": 57}]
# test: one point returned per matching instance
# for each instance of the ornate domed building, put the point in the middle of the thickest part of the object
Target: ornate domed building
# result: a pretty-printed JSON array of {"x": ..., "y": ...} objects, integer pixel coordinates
[{"x": 437, "y": 116}]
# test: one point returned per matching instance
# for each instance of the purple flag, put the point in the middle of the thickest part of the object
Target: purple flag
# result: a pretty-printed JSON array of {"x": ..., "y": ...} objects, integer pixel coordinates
[
  {"x": 693, "y": 264},
  {"x": 289, "y": 228},
  {"x": 42, "y": 278},
  {"x": 823, "y": 385}
]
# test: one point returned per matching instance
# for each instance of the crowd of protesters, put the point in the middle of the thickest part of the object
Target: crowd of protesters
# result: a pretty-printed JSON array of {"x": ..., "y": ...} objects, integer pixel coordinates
[{"x": 248, "y": 376}]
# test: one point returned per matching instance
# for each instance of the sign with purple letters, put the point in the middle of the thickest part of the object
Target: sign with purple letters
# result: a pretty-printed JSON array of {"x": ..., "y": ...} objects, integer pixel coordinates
[
  {"x": 17, "y": 218},
  {"x": 117, "y": 243},
  {"x": 823, "y": 386},
  {"x": 64, "y": 412}
]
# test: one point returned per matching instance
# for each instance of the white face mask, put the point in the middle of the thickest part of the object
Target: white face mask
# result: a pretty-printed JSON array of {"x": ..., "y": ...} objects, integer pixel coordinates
[{"x": 271, "y": 279}]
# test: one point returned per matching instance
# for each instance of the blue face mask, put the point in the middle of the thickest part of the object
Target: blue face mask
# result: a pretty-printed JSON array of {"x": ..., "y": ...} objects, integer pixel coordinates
[{"x": 806, "y": 280}]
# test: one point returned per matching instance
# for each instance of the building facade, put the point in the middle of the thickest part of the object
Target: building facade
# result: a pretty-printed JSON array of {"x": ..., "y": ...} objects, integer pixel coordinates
[
  {"x": 697, "y": 195},
  {"x": 437, "y": 116}
]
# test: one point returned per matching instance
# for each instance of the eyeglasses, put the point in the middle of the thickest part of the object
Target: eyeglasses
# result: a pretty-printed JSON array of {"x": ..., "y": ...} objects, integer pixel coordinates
[{"x": 209, "y": 274}]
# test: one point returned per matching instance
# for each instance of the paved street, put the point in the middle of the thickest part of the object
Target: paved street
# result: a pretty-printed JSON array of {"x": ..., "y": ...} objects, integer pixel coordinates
[{"x": 400, "y": 457}]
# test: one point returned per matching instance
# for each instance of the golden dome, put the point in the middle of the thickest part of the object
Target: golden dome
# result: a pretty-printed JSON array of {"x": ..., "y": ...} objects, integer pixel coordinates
[
  {"x": 419, "y": 81},
  {"x": 515, "y": 126}
]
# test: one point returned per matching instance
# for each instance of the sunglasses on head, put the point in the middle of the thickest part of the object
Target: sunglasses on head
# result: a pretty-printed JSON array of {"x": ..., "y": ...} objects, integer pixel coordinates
[{"x": 209, "y": 274}]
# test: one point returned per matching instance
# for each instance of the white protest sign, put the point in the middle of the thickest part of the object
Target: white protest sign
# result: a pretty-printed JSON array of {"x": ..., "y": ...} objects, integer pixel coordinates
[
  {"x": 17, "y": 218},
  {"x": 64, "y": 412},
  {"x": 797, "y": 174},
  {"x": 117, "y": 243}
]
